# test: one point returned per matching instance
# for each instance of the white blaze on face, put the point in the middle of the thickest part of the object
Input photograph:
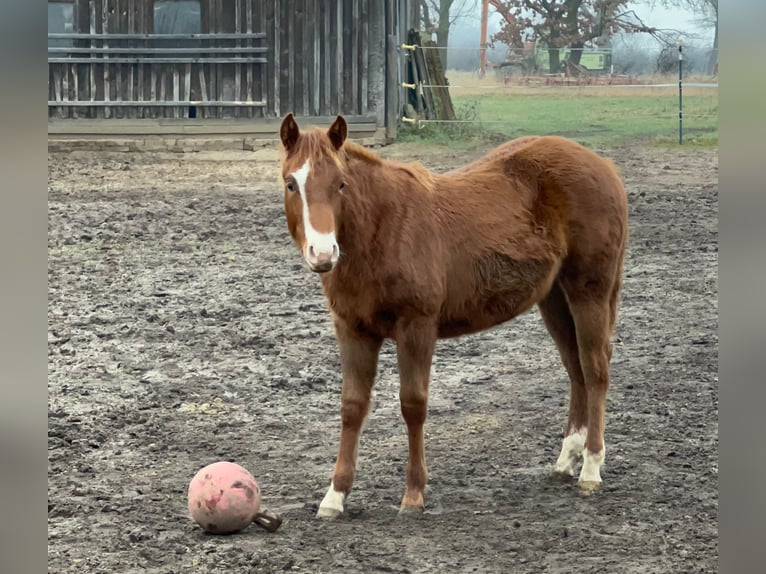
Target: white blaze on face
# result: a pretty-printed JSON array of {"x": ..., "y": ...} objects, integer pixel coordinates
[{"x": 319, "y": 246}]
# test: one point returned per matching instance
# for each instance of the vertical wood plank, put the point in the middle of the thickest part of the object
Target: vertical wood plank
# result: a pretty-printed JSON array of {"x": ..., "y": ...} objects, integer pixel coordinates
[
  {"x": 203, "y": 68},
  {"x": 260, "y": 71},
  {"x": 75, "y": 88},
  {"x": 65, "y": 90},
  {"x": 57, "y": 89},
  {"x": 348, "y": 58},
  {"x": 267, "y": 25},
  {"x": 81, "y": 19},
  {"x": 305, "y": 46},
  {"x": 140, "y": 111},
  {"x": 202, "y": 86},
  {"x": 187, "y": 86},
  {"x": 249, "y": 44},
  {"x": 363, "y": 68},
  {"x": 219, "y": 67},
  {"x": 141, "y": 28},
  {"x": 115, "y": 25},
  {"x": 291, "y": 53},
  {"x": 339, "y": 60},
  {"x": 74, "y": 69},
  {"x": 163, "y": 84},
  {"x": 336, "y": 48},
  {"x": 285, "y": 57},
  {"x": 324, "y": 105},
  {"x": 353, "y": 54},
  {"x": 309, "y": 57},
  {"x": 92, "y": 76},
  {"x": 118, "y": 23},
  {"x": 105, "y": 43},
  {"x": 299, "y": 58},
  {"x": 316, "y": 86},
  {"x": 392, "y": 86},
  {"x": 176, "y": 90},
  {"x": 154, "y": 69},
  {"x": 131, "y": 8},
  {"x": 164, "y": 80},
  {"x": 237, "y": 67},
  {"x": 377, "y": 61},
  {"x": 153, "y": 85},
  {"x": 212, "y": 76},
  {"x": 277, "y": 61}
]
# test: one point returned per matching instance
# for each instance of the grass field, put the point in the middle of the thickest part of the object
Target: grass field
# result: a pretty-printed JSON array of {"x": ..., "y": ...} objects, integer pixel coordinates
[{"x": 593, "y": 115}]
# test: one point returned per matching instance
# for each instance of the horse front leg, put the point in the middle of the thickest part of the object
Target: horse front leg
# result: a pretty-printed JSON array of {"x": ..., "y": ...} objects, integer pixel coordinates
[
  {"x": 359, "y": 362},
  {"x": 415, "y": 342}
]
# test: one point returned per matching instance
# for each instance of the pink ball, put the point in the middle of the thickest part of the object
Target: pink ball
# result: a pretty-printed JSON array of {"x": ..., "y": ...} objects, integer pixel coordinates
[{"x": 224, "y": 498}]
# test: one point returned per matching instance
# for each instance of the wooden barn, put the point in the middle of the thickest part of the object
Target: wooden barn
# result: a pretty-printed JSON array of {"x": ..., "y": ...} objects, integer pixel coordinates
[{"x": 176, "y": 67}]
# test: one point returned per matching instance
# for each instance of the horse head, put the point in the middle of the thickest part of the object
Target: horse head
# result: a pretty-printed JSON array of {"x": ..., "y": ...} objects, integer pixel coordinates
[{"x": 313, "y": 174}]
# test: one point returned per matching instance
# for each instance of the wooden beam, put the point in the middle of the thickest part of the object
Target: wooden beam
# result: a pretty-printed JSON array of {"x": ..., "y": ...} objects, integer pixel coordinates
[
  {"x": 392, "y": 75},
  {"x": 232, "y": 127},
  {"x": 150, "y": 60},
  {"x": 212, "y": 36},
  {"x": 158, "y": 103},
  {"x": 200, "y": 50}
]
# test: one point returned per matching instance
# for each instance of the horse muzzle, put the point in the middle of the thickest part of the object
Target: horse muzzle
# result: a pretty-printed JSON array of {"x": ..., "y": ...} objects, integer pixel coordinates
[
  {"x": 322, "y": 261},
  {"x": 325, "y": 267}
]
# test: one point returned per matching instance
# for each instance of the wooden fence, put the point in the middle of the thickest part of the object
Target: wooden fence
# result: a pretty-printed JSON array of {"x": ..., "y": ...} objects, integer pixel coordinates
[{"x": 233, "y": 59}]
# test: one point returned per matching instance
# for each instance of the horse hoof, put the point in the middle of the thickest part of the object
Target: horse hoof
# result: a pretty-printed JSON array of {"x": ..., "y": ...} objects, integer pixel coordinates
[
  {"x": 588, "y": 487},
  {"x": 328, "y": 512}
]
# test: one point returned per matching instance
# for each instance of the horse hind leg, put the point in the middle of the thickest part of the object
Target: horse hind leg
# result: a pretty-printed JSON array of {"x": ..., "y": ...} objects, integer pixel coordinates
[
  {"x": 593, "y": 308},
  {"x": 557, "y": 317},
  {"x": 415, "y": 343}
]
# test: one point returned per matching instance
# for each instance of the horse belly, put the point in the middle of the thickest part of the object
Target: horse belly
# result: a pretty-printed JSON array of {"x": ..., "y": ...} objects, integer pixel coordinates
[{"x": 502, "y": 288}]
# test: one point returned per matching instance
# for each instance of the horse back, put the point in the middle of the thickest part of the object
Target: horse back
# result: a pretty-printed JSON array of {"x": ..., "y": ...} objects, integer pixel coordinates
[{"x": 538, "y": 193}]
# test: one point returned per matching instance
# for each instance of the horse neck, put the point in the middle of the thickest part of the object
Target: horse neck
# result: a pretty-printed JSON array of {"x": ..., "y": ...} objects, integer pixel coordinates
[
  {"x": 361, "y": 204},
  {"x": 378, "y": 197}
]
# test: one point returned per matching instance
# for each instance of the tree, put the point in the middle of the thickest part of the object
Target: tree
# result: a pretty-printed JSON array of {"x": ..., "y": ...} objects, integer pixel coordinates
[
  {"x": 439, "y": 15},
  {"x": 573, "y": 23},
  {"x": 707, "y": 12}
]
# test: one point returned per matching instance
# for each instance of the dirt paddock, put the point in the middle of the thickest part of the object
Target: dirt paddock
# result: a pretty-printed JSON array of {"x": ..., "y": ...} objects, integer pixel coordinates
[{"x": 184, "y": 329}]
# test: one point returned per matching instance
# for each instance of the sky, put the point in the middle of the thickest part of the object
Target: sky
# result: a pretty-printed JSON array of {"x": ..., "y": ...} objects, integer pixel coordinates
[{"x": 672, "y": 18}]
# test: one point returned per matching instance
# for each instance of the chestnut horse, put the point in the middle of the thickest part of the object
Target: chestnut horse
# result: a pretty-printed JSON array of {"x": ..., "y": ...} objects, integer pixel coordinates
[{"x": 411, "y": 255}]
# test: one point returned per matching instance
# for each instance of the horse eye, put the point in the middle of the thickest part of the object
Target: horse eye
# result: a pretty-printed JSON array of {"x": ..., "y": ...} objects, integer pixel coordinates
[
  {"x": 342, "y": 185},
  {"x": 291, "y": 186}
]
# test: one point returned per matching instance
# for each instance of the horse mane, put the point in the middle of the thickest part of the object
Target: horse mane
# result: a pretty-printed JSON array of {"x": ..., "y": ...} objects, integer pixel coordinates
[
  {"x": 357, "y": 151},
  {"x": 315, "y": 143},
  {"x": 415, "y": 170}
]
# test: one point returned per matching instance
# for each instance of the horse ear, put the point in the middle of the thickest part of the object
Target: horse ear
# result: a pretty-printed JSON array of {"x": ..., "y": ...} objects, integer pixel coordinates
[
  {"x": 289, "y": 132},
  {"x": 338, "y": 132}
]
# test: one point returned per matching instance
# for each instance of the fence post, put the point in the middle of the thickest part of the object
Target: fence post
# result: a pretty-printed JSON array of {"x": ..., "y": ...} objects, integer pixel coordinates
[
  {"x": 680, "y": 92},
  {"x": 392, "y": 72}
]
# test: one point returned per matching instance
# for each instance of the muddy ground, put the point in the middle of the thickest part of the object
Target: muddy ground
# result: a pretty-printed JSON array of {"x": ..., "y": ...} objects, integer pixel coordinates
[{"x": 184, "y": 329}]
